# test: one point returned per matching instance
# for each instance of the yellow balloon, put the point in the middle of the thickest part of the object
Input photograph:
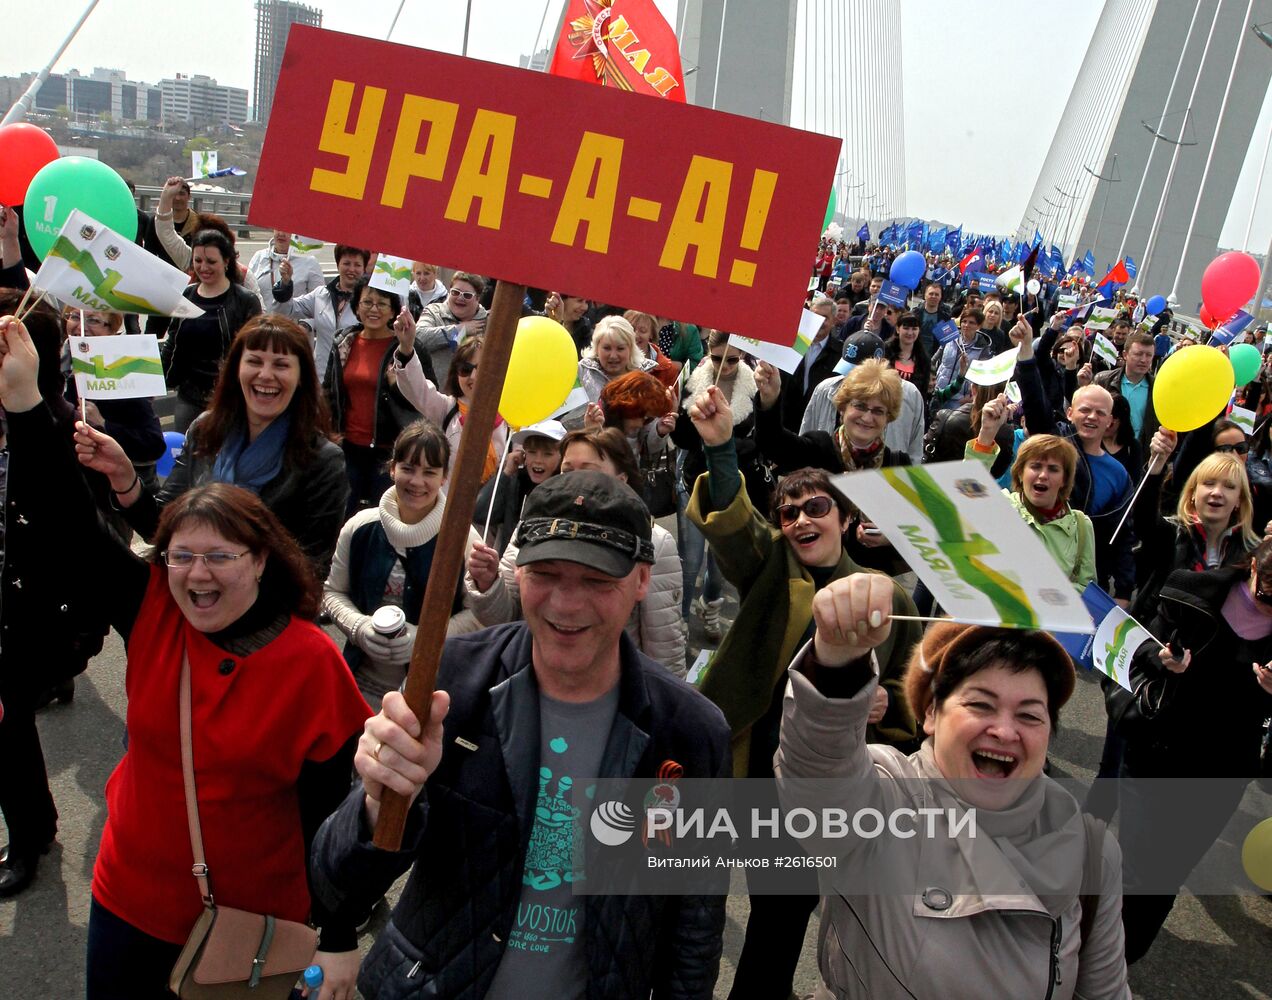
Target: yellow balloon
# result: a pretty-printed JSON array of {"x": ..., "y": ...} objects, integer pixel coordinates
[
  {"x": 1256, "y": 855},
  {"x": 1192, "y": 387},
  {"x": 541, "y": 372}
]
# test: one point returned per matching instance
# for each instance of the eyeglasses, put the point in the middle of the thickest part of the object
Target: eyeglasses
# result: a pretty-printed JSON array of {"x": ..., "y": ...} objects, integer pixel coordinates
[
  {"x": 465, "y": 296},
  {"x": 91, "y": 320},
  {"x": 464, "y": 369},
  {"x": 875, "y": 411},
  {"x": 813, "y": 507},
  {"x": 727, "y": 362},
  {"x": 181, "y": 559},
  {"x": 1240, "y": 448}
]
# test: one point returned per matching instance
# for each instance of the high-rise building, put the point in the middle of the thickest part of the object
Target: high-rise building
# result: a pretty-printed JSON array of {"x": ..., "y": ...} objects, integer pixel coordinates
[
  {"x": 274, "y": 19},
  {"x": 537, "y": 62},
  {"x": 200, "y": 99},
  {"x": 106, "y": 92}
]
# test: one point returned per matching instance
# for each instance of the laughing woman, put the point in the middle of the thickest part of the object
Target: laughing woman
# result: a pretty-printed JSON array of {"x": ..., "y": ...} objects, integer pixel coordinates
[
  {"x": 1028, "y": 904},
  {"x": 267, "y": 431},
  {"x": 221, "y": 608},
  {"x": 777, "y": 564}
]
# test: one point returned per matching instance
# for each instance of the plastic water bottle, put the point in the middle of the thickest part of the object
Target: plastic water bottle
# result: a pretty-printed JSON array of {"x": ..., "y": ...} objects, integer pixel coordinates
[{"x": 313, "y": 978}]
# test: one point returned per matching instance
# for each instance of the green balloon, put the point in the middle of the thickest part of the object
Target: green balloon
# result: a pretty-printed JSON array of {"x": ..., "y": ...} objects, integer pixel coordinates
[
  {"x": 830, "y": 209},
  {"x": 76, "y": 182},
  {"x": 1246, "y": 361}
]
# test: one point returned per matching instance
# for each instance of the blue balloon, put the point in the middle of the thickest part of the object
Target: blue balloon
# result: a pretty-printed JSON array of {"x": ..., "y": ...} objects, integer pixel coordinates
[
  {"x": 175, "y": 443},
  {"x": 908, "y": 269},
  {"x": 1154, "y": 306}
]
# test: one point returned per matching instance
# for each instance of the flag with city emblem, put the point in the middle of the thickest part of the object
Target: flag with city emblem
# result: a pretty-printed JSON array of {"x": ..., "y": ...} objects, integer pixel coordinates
[
  {"x": 92, "y": 267},
  {"x": 125, "y": 366},
  {"x": 953, "y": 526}
]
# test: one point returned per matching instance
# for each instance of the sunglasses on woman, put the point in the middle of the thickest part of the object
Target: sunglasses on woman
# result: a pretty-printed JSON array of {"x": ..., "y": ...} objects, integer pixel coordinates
[
  {"x": 464, "y": 369},
  {"x": 1240, "y": 448},
  {"x": 814, "y": 507},
  {"x": 465, "y": 296},
  {"x": 727, "y": 362}
]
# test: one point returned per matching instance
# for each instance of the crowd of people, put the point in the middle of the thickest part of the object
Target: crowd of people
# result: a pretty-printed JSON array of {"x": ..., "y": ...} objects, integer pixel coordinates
[{"x": 321, "y": 418}]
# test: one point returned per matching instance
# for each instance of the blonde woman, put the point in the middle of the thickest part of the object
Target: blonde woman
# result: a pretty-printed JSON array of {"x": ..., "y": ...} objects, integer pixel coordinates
[
  {"x": 614, "y": 352},
  {"x": 1212, "y": 527}
]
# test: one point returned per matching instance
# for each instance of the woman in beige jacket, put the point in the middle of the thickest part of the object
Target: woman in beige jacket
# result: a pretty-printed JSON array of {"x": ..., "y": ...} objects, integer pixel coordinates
[{"x": 1023, "y": 902}]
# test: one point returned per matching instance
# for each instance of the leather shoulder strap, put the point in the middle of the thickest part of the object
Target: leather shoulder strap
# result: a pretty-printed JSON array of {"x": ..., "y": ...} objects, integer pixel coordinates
[{"x": 200, "y": 869}]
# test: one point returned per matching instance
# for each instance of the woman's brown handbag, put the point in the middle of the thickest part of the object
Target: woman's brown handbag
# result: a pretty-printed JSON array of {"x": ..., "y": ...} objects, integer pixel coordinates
[{"x": 232, "y": 954}]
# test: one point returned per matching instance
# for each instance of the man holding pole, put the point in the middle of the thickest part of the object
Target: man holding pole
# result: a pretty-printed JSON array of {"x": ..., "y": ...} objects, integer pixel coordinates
[{"x": 526, "y": 717}]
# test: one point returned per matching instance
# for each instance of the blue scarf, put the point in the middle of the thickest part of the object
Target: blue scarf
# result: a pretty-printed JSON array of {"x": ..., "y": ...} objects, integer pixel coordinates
[{"x": 252, "y": 465}]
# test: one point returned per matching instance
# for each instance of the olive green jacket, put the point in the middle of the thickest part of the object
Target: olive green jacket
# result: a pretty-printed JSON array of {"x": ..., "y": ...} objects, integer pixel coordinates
[{"x": 776, "y": 606}]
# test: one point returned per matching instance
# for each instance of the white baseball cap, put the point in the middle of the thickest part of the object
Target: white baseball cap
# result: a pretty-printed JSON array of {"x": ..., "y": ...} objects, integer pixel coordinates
[{"x": 553, "y": 429}]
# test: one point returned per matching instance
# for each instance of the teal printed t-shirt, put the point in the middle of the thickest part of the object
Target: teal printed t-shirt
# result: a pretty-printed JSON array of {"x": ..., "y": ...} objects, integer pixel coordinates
[{"x": 546, "y": 943}]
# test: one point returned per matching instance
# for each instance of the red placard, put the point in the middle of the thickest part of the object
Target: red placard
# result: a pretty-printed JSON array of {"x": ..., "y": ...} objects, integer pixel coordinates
[{"x": 703, "y": 216}]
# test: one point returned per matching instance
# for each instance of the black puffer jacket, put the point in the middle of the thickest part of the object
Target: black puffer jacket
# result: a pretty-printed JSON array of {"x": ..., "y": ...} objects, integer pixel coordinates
[
  {"x": 468, "y": 833},
  {"x": 47, "y": 628},
  {"x": 1211, "y": 723}
]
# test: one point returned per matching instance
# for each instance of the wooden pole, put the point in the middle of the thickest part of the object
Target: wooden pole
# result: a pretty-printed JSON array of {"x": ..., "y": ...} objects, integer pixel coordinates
[{"x": 448, "y": 559}]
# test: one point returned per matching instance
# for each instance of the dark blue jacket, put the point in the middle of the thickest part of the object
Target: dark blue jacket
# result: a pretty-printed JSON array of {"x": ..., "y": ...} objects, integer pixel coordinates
[
  {"x": 371, "y": 560},
  {"x": 468, "y": 832}
]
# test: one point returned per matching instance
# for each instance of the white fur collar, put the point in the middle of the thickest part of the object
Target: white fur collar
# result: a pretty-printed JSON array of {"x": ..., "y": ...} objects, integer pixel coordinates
[{"x": 741, "y": 390}]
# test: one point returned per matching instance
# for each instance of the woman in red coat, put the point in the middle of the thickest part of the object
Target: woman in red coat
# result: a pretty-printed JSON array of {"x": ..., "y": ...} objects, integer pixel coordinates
[{"x": 275, "y": 711}]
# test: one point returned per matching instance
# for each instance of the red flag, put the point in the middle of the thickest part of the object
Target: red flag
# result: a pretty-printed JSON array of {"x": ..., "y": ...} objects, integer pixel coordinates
[
  {"x": 626, "y": 44},
  {"x": 1117, "y": 275}
]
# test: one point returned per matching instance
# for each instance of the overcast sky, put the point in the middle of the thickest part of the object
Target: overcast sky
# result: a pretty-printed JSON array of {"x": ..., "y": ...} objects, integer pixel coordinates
[{"x": 969, "y": 167}]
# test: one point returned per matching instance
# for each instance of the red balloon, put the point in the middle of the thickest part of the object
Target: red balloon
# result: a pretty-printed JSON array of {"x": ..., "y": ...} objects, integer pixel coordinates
[
  {"x": 1229, "y": 282},
  {"x": 1207, "y": 320},
  {"x": 24, "y": 149}
]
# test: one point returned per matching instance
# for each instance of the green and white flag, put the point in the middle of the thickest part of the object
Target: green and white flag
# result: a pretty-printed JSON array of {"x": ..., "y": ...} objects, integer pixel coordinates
[
  {"x": 1066, "y": 300},
  {"x": 1243, "y": 418},
  {"x": 203, "y": 162},
  {"x": 303, "y": 244},
  {"x": 92, "y": 267},
  {"x": 993, "y": 371},
  {"x": 699, "y": 667},
  {"x": 391, "y": 274},
  {"x": 1013, "y": 392},
  {"x": 1104, "y": 350},
  {"x": 1011, "y": 280},
  {"x": 785, "y": 358},
  {"x": 1101, "y": 318},
  {"x": 954, "y": 527},
  {"x": 125, "y": 366}
]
